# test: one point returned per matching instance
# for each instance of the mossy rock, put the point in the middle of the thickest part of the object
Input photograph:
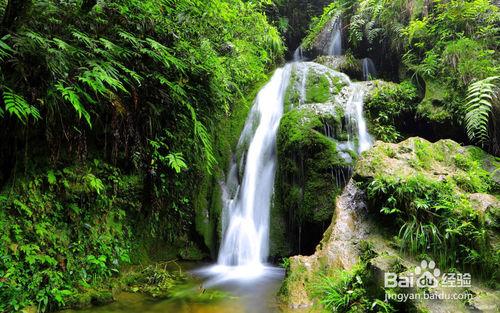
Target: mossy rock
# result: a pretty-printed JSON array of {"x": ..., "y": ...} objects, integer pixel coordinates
[
  {"x": 443, "y": 160},
  {"x": 88, "y": 298},
  {"x": 313, "y": 83},
  {"x": 432, "y": 106},
  {"x": 308, "y": 174},
  {"x": 343, "y": 63},
  {"x": 360, "y": 233}
]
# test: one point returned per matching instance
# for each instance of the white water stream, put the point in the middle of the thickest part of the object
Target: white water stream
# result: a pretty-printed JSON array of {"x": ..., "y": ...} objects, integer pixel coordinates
[
  {"x": 369, "y": 70},
  {"x": 335, "y": 47}
]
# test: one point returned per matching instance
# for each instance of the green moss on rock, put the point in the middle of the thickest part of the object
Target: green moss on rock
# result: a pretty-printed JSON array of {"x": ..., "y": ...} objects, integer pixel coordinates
[
  {"x": 317, "y": 88},
  {"x": 306, "y": 184}
]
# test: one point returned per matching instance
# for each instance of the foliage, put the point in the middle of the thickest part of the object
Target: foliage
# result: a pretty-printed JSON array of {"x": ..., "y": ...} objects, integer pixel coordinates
[
  {"x": 481, "y": 96},
  {"x": 389, "y": 107},
  {"x": 344, "y": 291},
  {"x": 17, "y": 106},
  {"x": 63, "y": 232},
  {"x": 144, "y": 85},
  {"x": 435, "y": 219}
]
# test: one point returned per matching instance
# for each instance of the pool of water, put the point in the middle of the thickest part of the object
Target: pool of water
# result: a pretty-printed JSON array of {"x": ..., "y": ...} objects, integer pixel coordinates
[{"x": 251, "y": 295}]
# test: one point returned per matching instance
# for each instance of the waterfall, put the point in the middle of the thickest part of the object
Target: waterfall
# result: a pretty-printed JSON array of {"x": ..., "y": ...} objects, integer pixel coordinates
[
  {"x": 356, "y": 122},
  {"x": 335, "y": 47},
  {"x": 369, "y": 70},
  {"x": 298, "y": 54},
  {"x": 245, "y": 240}
]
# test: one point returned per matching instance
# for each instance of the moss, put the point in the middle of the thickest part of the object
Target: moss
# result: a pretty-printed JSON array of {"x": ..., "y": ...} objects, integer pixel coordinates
[
  {"x": 307, "y": 176},
  {"x": 389, "y": 107},
  {"x": 346, "y": 64},
  {"x": 317, "y": 88},
  {"x": 89, "y": 298},
  {"x": 292, "y": 94},
  {"x": 293, "y": 280},
  {"x": 432, "y": 106},
  {"x": 427, "y": 188},
  {"x": 330, "y": 12}
]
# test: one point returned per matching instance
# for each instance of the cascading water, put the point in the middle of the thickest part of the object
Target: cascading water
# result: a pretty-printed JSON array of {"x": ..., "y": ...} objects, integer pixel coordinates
[
  {"x": 335, "y": 47},
  {"x": 355, "y": 120},
  {"x": 245, "y": 244},
  {"x": 369, "y": 70},
  {"x": 298, "y": 54}
]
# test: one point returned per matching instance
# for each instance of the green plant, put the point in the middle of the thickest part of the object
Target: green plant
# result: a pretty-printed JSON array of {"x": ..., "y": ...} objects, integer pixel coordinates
[
  {"x": 285, "y": 263},
  {"x": 434, "y": 219},
  {"x": 65, "y": 231},
  {"x": 388, "y": 107},
  {"x": 18, "y": 106},
  {"x": 481, "y": 96},
  {"x": 339, "y": 292},
  {"x": 344, "y": 291}
]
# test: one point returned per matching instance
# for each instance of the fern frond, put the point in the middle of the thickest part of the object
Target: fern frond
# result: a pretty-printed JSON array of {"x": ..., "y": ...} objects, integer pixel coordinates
[
  {"x": 69, "y": 94},
  {"x": 480, "y": 97},
  {"x": 176, "y": 161},
  {"x": 18, "y": 106},
  {"x": 83, "y": 38},
  {"x": 5, "y": 49}
]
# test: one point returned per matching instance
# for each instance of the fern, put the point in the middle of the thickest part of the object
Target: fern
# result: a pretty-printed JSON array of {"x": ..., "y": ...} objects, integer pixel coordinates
[
  {"x": 18, "y": 106},
  {"x": 69, "y": 94},
  {"x": 101, "y": 76},
  {"x": 176, "y": 161},
  {"x": 5, "y": 49},
  {"x": 480, "y": 96}
]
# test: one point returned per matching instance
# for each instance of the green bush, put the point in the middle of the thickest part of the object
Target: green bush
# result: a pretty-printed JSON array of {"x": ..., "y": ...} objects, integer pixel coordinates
[
  {"x": 345, "y": 291},
  {"x": 434, "y": 218},
  {"x": 388, "y": 107},
  {"x": 64, "y": 232}
]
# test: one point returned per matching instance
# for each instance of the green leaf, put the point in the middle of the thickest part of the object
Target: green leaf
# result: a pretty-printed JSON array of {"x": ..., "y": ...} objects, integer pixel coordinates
[
  {"x": 19, "y": 107},
  {"x": 69, "y": 94},
  {"x": 51, "y": 177},
  {"x": 176, "y": 161}
]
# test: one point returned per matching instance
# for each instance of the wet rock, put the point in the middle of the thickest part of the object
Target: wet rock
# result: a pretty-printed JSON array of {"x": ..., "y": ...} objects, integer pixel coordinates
[{"x": 338, "y": 249}]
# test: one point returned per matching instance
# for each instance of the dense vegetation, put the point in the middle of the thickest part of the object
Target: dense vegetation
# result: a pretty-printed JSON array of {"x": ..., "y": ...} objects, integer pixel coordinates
[
  {"x": 448, "y": 49},
  {"x": 118, "y": 120},
  {"x": 110, "y": 113}
]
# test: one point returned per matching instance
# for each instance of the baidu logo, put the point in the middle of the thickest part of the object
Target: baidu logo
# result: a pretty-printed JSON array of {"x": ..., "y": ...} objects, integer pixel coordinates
[{"x": 427, "y": 275}]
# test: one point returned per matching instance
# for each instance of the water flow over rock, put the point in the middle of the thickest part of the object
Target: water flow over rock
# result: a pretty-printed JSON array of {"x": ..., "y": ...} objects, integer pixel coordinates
[
  {"x": 335, "y": 47},
  {"x": 249, "y": 186},
  {"x": 369, "y": 69},
  {"x": 355, "y": 119},
  {"x": 246, "y": 213},
  {"x": 298, "y": 54}
]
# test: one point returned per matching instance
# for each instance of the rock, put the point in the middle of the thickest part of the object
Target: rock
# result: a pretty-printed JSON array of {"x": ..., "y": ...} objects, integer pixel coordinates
[
  {"x": 359, "y": 234},
  {"x": 484, "y": 202},
  {"x": 337, "y": 250},
  {"x": 315, "y": 159},
  {"x": 485, "y": 301},
  {"x": 444, "y": 159},
  {"x": 321, "y": 43},
  {"x": 342, "y": 63}
]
